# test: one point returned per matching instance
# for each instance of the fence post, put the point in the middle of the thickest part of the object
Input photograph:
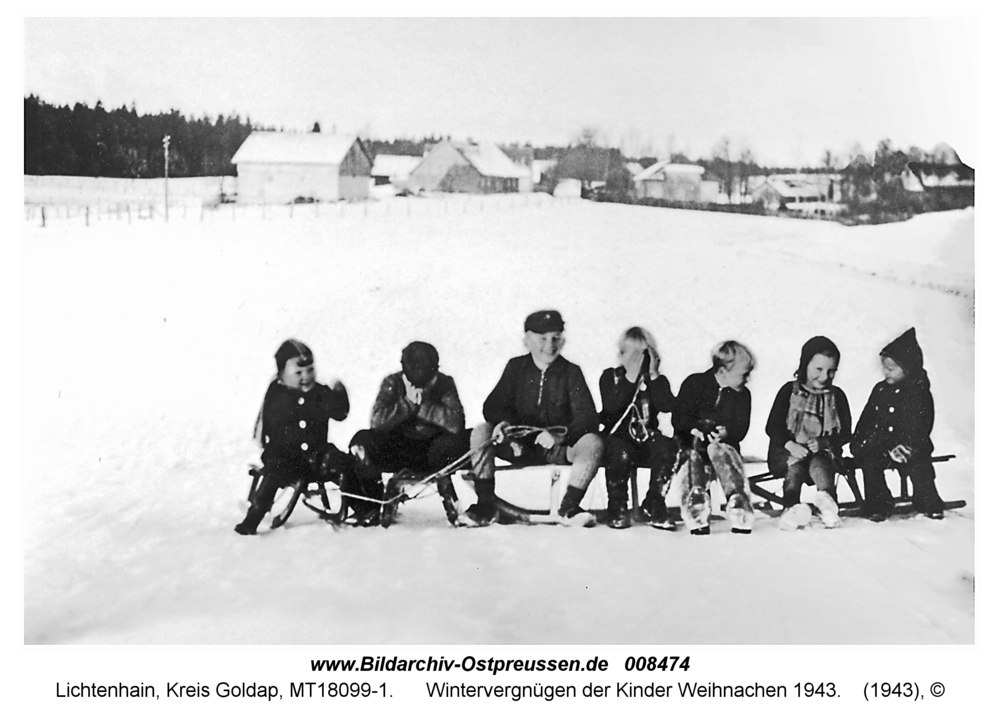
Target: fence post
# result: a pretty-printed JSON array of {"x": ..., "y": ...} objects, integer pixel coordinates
[
  {"x": 43, "y": 217},
  {"x": 87, "y": 215}
]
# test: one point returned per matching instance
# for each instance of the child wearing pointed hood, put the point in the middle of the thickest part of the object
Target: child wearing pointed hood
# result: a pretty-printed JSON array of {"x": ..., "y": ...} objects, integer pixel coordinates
[{"x": 894, "y": 431}]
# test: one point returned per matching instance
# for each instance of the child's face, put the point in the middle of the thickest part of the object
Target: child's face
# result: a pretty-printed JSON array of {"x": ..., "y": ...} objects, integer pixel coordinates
[
  {"x": 544, "y": 347},
  {"x": 892, "y": 371},
  {"x": 630, "y": 352},
  {"x": 735, "y": 376},
  {"x": 297, "y": 376},
  {"x": 820, "y": 372}
]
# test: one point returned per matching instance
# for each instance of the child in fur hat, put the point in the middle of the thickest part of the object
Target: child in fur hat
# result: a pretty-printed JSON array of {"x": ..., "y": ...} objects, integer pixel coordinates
[
  {"x": 809, "y": 424},
  {"x": 894, "y": 431},
  {"x": 292, "y": 428}
]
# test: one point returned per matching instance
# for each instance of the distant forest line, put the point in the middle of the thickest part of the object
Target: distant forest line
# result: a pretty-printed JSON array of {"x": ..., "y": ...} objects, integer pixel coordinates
[{"x": 121, "y": 143}]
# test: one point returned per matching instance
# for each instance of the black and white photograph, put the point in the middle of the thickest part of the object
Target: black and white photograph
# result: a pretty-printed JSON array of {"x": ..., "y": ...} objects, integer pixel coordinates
[{"x": 515, "y": 331}]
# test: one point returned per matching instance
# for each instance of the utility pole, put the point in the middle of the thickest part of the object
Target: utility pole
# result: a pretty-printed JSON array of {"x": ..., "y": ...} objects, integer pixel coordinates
[{"x": 166, "y": 177}]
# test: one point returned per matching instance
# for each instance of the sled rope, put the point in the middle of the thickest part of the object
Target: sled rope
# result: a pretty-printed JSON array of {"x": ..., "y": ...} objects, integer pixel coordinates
[{"x": 513, "y": 432}]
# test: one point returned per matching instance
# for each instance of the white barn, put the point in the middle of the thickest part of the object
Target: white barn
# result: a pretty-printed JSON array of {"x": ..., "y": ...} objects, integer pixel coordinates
[
  {"x": 282, "y": 167},
  {"x": 475, "y": 168}
]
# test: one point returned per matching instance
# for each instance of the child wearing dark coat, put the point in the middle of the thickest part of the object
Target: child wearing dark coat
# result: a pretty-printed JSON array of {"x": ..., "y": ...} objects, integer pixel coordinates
[
  {"x": 417, "y": 421},
  {"x": 633, "y": 395},
  {"x": 809, "y": 424},
  {"x": 292, "y": 428},
  {"x": 543, "y": 390},
  {"x": 894, "y": 431},
  {"x": 711, "y": 416}
]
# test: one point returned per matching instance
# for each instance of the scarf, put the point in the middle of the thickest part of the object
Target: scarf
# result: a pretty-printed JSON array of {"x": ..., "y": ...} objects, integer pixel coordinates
[{"x": 812, "y": 414}]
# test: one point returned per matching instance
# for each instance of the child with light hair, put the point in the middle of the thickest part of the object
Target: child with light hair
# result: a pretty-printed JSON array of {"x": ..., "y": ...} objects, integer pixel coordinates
[
  {"x": 542, "y": 390},
  {"x": 633, "y": 396},
  {"x": 711, "y": 416}
]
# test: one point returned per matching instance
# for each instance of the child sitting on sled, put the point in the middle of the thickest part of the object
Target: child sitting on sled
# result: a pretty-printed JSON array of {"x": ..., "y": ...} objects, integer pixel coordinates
[
  {"x": 543, "y": 390},
  {"x": 809, "y": 424},
  {"x": 711, "y": 417},
  {"x": 633, "y": 395},
  {"x": 292, "y": 428},
  {"x": 417, "y": 422},
  {"x": 894, "y": 432}
]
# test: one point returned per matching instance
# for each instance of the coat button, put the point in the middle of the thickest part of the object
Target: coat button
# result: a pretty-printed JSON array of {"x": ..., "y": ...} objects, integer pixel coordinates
[
  {"x": 302, "y": 423},
  {"x": 302, "y": 401},
  {"x": 305, "y": 446}
]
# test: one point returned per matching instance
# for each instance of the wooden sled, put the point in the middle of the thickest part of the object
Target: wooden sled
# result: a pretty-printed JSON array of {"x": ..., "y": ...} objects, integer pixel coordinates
[{"x": 849, "y": 471}]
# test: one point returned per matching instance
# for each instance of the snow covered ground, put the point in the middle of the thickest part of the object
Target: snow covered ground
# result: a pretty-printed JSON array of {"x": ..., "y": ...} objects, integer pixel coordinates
[{"x": 151, "y": 346}]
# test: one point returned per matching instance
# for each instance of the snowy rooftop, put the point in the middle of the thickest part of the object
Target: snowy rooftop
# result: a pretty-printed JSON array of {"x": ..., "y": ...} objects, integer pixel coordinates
[
  {"x": 294, "y": 148},
  {"x": 392, "y": 165},
  {"x": 489, "y": 160},
  {"x": 662, "y": 169}
]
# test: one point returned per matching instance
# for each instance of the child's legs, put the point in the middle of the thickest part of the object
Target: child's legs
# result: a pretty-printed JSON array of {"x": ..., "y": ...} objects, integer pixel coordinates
[
  {"x": 878, "y": 499},
  {"x": 585, "y": 456},
  {"x": 662, "y": 457},
  {"x": 823, "y": 472},
  {"x": 694, "y": 474},
  {"x": 446, "y": 449},
  {"x": 925, "y": 494},
  {"x": 728, "y": 467},
  {"x": 620, "y": 456},
  {"x": 483, "y": 452},
  {"x": 794, "y": 474}
]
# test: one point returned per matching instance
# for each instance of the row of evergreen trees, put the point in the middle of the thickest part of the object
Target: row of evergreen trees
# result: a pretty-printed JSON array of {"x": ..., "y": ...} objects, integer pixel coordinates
[{"x": 85, "y": 141}]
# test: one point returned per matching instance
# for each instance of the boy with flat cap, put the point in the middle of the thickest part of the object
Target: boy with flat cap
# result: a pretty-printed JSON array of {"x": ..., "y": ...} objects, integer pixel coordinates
[
  {"x": 417, "y": 422},
  {"x": 544, "y": 390}
]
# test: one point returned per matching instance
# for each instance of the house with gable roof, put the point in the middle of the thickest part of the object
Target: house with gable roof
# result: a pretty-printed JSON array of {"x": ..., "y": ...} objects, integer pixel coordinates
[
  {"x": 283, "y": 167},
  {"x": 470, "y": 167},
  {"x": 664, "y": 180}
]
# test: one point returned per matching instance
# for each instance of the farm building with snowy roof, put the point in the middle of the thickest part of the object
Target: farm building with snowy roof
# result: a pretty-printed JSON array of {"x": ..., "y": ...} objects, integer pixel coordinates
[
  {"x": 284, "y": 167},
  {"x": 474, "y": 168},
  {"x": 676, "y": 182}
]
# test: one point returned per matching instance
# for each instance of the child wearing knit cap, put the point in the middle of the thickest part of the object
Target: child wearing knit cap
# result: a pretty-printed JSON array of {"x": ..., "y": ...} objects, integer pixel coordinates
[
  {"x": 809, "y": 424},
  {"x": 292, "y": 429},
  {"x": 894, "y": 431}
]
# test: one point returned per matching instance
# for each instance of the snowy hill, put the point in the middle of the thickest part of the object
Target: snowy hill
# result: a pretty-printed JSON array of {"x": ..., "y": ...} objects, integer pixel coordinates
[{"x": 151, "y": 348}]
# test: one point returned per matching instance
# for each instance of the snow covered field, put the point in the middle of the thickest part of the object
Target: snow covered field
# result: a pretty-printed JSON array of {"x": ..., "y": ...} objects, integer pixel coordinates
[{"x": 151, "y": 346}]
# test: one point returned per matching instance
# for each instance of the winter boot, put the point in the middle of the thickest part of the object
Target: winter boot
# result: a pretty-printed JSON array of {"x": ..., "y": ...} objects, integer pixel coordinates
[
  {"x": 829, "y": 512},
  {"x": 739, "y": 511},
  {"x": 654, "y": 507},
  {"x": 484, "y": 512},
  {"x": 795, "y": 517},
  {"x": 249, "y": 524},
  {"x": 570, "y": 512},
  {"x": 618, "y": 517}
]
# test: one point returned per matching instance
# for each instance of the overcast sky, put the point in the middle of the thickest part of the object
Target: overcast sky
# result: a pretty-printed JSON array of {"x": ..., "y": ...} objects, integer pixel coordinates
[{"x": 786, "y": 89}]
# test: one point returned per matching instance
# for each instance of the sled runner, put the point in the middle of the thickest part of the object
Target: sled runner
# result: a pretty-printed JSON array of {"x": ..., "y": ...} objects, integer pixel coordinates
[
  {"x": 849, "y": 472},
  {"x": 400, "y": 487}
]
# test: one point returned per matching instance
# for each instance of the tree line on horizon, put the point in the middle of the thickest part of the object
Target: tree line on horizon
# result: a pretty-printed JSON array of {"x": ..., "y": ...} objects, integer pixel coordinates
[{"x": 121, "y": 143}]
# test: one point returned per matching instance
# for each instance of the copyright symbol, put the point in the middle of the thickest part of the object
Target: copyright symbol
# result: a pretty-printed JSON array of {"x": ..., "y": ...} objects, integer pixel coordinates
[{"x": 937, "y": 689}]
